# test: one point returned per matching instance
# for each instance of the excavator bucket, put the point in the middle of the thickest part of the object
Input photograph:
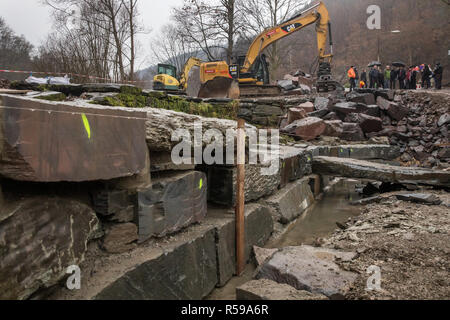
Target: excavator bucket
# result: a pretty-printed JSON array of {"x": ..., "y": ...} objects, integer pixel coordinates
[{"x": 220, "y": 87}]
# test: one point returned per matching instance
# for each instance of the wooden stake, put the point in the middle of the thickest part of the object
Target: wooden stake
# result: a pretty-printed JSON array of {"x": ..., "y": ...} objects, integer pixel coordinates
[{"x": 240, "y": 199}]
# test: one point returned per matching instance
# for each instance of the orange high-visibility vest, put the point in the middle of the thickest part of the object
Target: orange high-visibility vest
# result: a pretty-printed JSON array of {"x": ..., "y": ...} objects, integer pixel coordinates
[{"x": 351, "y": 73}]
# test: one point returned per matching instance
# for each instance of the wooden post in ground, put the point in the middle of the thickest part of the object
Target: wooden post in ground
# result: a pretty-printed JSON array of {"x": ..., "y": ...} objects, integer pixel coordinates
[{"x": 240, "y": 199}]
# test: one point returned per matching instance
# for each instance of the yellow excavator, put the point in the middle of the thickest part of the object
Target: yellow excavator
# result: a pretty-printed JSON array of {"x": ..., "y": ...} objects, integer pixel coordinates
[
  {"x": 250, "y": 75},
  {"x": 166, "y": 79}
]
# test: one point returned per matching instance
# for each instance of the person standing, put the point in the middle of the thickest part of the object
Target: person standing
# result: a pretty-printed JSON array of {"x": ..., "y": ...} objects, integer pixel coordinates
[
  {"x": 380, "y": 78},
  {"x": 438, "y": 71},
  {"x": 401, "y": 78},
  {"x": 394, "y": 75},
  {"x": 426, "y": 75},
  {"x": 352, "y": 77},
  {"x": 364, "y": 77},
  {"x": 414, "y": 78},
  {"x": 387, "y": 77}
]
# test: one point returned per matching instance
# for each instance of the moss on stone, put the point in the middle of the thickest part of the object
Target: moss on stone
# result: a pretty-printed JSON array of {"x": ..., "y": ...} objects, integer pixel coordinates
[
  {"x": 53, "y": 97},
  {"x": 130, "y": 90}
]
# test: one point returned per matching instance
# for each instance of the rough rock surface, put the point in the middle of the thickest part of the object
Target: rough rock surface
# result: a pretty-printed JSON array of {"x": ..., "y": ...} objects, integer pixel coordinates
[
  {"x": 306, "y": 129},
  {"x": 334, "y": 128},
  {"x": 222, "y": 184},
  {"x": 39, "y": 239},
  {"x": 174, "y": 201},
  {"x": 269, "y": 290},
  {"x": 359, "y": 169},
  {"x": 311, "y": 269},
  {"x": 120, "y": 238},
  {"x": 290, "y": 202}
]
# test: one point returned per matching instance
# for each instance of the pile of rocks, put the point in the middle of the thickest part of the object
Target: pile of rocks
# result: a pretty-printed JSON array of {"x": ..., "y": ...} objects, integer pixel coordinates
[
  {"x": 423, "y": 132},
  {"x": 299, "y": 83},
  {"x": 417, "y": 122}
]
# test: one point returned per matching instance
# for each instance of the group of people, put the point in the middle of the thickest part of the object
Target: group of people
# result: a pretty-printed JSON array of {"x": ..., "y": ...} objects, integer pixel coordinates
[{"x": 407, "y": 78}]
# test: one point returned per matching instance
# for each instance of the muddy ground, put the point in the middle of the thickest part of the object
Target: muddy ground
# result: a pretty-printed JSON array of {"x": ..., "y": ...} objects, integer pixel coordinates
[{"x": 409, "y": 242}]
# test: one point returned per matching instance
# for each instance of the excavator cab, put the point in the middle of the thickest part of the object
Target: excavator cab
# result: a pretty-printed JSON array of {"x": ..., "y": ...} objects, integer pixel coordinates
[{"x": 166, "y": 79}]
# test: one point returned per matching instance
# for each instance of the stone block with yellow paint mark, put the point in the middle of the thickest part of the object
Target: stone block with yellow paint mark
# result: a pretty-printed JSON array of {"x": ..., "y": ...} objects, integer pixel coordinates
[{"x": 173, "y": 202}]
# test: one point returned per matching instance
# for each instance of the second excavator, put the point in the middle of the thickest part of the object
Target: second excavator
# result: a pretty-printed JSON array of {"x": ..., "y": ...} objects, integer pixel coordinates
[{"x": 250, "y": 75}]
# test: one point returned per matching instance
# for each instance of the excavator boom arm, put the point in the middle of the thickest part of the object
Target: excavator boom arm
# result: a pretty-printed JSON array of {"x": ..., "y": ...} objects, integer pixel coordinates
[
  {"x": 192, "y": 62},
  {"x": 317, "y": 13}
]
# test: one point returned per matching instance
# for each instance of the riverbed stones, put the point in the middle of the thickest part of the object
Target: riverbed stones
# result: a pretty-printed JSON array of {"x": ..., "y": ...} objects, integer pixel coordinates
[
  {"x": 174, "y": 201},
  {"x": 40, "y": 238},
  {"x": 306, "y": 129},
  {"x": 311, "y": 269},
  {"x": 290, "y": 202},
  {"x": 120, "y": 238},
  {"x": 264, "y": 289}
]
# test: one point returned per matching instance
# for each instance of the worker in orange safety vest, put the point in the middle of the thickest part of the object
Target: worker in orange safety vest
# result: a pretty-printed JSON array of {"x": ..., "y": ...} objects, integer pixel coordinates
[{"x": 352, "y": 76}]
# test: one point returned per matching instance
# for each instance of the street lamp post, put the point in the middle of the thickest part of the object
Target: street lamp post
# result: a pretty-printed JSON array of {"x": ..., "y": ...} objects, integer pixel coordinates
[{"x": 378, "y": 40}]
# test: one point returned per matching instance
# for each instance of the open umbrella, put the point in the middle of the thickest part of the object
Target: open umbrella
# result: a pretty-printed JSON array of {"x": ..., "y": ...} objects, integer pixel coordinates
[
  {"x": 398, "y": 64},
  {"x": 374, "y": 63}
]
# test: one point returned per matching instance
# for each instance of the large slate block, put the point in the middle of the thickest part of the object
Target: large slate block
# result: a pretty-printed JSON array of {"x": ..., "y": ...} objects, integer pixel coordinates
[
  {"x": 56, "y": 142},
  {"x": 259, "y": 227},
  {"x": 290, "y": 202},
  {"x": 40, "y": 238},
  {"x": 295, "y": 163},
  {"x": 174, "y": 202},
  {"x": 310, "y": 269},
  {"x": 368, "y": 152},
  {"x": 222, "y": 184},
  {"x": 187, "y": 272}
]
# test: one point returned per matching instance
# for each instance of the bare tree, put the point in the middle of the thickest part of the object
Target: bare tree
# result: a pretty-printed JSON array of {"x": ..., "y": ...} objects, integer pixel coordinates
[
  {"x": 259, "y": 15},
  {"x": 102, "y": 34}
]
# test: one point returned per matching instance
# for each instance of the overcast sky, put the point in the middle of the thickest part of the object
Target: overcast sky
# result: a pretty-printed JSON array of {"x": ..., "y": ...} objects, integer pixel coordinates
[{"x": 32, "y": 19}]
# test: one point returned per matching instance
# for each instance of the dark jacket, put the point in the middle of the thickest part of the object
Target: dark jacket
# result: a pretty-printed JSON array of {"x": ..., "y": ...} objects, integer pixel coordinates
[
  {"x": 394, "y": 75},
  {"x": 402, "y": 75},
  {"x": 364, "y": 76}
]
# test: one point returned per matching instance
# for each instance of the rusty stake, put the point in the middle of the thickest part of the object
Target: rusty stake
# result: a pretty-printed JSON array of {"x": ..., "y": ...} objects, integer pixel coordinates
[{"x": 240, "y": 199}]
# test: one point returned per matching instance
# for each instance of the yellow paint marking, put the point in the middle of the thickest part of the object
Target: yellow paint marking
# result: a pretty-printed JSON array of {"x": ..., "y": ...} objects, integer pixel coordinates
[
  {"x": 86, "y": 125},
  {"x": 200, "y": 185}
]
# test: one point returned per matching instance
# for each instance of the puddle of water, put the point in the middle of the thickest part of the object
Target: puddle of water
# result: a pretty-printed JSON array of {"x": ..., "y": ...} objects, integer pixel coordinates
[{"x": 319, "y": 221}]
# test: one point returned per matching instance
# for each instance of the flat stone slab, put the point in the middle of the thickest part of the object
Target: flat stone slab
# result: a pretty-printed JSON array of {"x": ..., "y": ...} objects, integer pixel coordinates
[
  {"x": 358, "y": 169},
  {"x": 56, "y": 142},
  {"x": 291, "y": 201},
  {"x": 264, "y": 289},
  {"x": 430, "y": 199},
  {"x": 311, "y": 269}
]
